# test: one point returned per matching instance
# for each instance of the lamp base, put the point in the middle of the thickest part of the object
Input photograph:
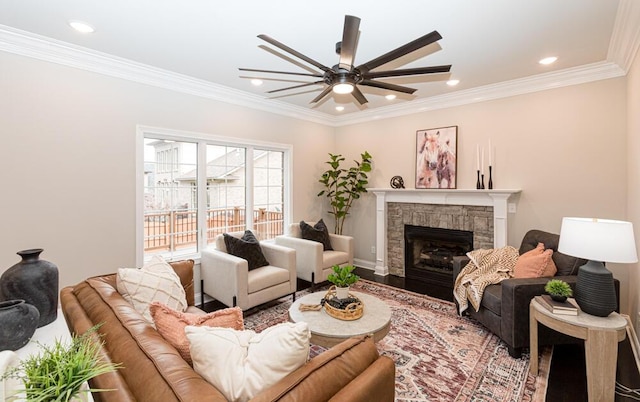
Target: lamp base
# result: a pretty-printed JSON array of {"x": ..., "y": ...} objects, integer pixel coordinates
[{"x": 595, "y": 289}]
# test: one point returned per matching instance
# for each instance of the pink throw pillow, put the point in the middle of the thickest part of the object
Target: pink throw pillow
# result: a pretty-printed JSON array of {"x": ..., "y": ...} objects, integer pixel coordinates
[
  {"x": 535, "y": 263},
  {"x": 171, "y": 323}
]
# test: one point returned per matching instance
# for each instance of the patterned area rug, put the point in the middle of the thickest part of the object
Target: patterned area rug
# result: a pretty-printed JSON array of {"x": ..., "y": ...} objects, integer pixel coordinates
[{"x": 439, "y": 356}]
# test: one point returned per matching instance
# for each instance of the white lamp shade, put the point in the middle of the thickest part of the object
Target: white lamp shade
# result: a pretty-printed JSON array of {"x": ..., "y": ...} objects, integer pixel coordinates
[{"x": 601, "y": 240}]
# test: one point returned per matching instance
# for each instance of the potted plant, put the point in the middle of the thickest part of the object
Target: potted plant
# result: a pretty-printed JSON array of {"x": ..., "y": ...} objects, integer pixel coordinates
[
  {"x": 343, "y": 186},
  {"x": 558, "y": 289},
  {"x": 343, "y": 277},
  {"x": 60, "y": 371}
]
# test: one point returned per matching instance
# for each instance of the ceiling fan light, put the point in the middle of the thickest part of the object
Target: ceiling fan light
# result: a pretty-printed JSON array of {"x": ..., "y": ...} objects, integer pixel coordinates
[{"x": 343, "y": 88}]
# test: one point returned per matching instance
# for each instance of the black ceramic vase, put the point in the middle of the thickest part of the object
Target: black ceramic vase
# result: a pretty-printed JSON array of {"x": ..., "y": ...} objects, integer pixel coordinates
[
  {"x": 18, "y": 322},
  {"x": 35, "y": 281}
]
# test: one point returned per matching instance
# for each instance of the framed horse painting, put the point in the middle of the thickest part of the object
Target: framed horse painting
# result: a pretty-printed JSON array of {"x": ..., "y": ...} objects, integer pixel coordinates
[{"x": 436, "y": 157}]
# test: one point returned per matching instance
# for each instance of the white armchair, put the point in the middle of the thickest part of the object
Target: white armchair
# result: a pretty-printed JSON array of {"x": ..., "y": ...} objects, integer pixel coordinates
[
  {"x": 313, "y": 263},
  {"x": 227, "y": 278}
]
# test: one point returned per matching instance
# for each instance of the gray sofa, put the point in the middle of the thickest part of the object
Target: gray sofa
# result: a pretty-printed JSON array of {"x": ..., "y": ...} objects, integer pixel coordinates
[{"x": 505, "y": 306}]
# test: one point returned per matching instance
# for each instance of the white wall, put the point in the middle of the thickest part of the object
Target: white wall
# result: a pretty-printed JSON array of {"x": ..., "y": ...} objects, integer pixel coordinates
[
  {"x": 68, "y": 159},
  {"x": 566, "y": 149}
]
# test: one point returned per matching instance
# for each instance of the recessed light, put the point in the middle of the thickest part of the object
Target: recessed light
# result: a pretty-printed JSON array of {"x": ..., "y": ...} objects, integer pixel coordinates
[
  {"x": 256, "y": 82},
  {"x": 548, "y": 60},
  {"x": 390, "y": 97},
  {"x": 453, "y": 83},
  {"x": 339, "y": 108},
  {"x": 82, "y": 27}
]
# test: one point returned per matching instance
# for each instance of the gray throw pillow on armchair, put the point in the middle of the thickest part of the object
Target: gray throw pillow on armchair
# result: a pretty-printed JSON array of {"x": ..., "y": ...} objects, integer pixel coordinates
[
  {"x": 247, "y": 247},
  {"x": 317, "y": 232}
]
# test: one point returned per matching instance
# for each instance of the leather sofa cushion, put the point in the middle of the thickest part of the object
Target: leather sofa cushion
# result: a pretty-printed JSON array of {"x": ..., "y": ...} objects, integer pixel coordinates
[{"x": 492, "y": 298}]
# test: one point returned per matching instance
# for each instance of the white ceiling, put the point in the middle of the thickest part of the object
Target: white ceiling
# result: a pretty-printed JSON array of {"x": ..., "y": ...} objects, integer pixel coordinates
[{"x": 489, "y": 42}]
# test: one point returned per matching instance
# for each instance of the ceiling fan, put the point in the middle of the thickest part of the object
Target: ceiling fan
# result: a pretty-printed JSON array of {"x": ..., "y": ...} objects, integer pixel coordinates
[{"x": 344, "y": 77}]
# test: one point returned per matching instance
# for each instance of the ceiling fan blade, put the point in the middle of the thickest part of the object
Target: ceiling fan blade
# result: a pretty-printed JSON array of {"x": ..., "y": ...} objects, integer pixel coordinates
[
  {"x": 324, "y": 93},
  {"x": 287, "y": 49},
  {"x": 349, "y": 41},
  {"x": 401, "y": 51},
  {"x": 408, "y": 71},
  {"x": 278, "y": 72},
  {"x": 359, "y": 96},
  {"x": 296, "y": 86},
  {"x": 385, "y": 85}
]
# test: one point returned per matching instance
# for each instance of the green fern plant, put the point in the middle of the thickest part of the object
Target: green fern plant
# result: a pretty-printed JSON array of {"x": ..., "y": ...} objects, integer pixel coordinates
[
  {"x": 58, "y": 372},
  {"x": 343, "y": 276}
]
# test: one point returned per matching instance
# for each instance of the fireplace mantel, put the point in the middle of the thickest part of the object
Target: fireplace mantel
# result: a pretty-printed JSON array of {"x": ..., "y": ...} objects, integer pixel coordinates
[{"x": 498, "y": 199}]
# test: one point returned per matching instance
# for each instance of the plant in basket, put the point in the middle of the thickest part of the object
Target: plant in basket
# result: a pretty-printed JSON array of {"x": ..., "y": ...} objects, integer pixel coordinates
[{"x": 343, "y": 277}]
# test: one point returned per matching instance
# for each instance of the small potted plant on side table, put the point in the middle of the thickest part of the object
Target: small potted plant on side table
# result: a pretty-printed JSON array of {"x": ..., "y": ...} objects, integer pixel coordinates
[
  {"x": 558, "y": 290},
  {"x": 343, "y": 277}
]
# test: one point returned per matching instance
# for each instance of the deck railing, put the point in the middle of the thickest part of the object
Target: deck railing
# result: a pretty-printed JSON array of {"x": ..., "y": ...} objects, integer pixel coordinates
[{"x": 178, "y": 229}]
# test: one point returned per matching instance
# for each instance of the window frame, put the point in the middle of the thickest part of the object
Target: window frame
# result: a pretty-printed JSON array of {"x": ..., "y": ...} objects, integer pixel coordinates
[{"x": 203, "y": 139}]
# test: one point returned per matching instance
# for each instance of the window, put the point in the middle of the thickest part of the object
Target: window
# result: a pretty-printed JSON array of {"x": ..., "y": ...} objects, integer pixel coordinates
[{"x": 194, "y": 188}]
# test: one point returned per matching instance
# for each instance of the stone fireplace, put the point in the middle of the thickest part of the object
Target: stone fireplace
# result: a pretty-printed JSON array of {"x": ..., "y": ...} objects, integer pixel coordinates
[{"x": 481, "y": 212}]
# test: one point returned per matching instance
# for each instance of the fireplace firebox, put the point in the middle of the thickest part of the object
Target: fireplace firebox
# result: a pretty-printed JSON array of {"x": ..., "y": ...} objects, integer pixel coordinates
[{"x": 429, "y": 253}]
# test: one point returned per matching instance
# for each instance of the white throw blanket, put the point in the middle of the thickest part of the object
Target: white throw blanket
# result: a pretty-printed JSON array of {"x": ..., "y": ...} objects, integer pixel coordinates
[{"x": 487, "y": 266}]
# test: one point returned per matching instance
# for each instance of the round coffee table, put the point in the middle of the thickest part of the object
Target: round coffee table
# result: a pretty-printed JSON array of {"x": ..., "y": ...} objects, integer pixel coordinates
[{"x": 328, "y": 331}]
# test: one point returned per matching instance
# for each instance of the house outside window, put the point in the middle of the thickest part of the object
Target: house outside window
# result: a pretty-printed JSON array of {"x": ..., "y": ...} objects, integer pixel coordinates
[{"x": 195, "y": 187}]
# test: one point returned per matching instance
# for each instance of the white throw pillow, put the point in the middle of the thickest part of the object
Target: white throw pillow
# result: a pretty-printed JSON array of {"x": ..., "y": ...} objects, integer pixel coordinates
[
  {"x": 240, "y": 364},
  {"x": 155, "y": 281}
]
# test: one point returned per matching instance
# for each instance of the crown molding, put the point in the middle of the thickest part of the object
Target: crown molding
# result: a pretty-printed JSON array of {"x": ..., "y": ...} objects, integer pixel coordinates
[
  {"x": 626, "y": 39},
  {"x": 541, "y": 82},
  {"x": 39, "y": 47}
]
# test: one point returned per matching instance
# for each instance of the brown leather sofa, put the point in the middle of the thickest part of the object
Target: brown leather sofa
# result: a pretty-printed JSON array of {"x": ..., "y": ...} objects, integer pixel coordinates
[
  {"x": 504, "y": 309},
  {"x": 154, "y": 371}
]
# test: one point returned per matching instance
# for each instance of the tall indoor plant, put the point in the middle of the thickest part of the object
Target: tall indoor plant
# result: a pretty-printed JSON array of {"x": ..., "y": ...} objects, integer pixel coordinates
[{"x": 343, "y": 186}]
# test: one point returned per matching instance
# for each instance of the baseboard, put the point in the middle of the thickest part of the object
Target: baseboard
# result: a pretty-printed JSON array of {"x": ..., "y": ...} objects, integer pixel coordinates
[{"x": 371, "y": 265}]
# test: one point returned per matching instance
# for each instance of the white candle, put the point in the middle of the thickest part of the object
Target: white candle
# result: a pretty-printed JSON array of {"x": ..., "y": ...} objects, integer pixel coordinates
[
  {"x": 490, "y": 153},
  {"x": 478, "y": 157},
  {"x": 482, "y": 162}
]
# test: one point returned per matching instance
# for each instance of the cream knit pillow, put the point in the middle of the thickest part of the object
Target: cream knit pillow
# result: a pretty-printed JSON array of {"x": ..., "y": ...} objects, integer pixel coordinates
[
  {"x": 240, "y": 364},
  {"x": 155, "y": 281}
]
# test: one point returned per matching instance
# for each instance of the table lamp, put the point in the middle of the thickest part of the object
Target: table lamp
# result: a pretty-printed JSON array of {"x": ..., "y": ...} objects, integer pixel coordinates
[{"x": 599, "y": 241}]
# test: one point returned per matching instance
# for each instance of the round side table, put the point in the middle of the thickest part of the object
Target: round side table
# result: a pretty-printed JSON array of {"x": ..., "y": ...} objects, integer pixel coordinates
[{"x": 601, "y": 336}]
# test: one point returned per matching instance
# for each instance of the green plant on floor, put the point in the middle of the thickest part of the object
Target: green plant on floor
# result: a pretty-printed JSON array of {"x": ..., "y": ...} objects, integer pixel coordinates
[
  {"x": 344, "y": 186},
  {"x": 343, "y": 276},
  {"x": 58, "y": 372},
  {"x": 558, "y": 287}
]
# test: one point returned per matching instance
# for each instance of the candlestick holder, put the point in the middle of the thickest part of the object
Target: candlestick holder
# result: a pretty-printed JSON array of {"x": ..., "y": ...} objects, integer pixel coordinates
[
  {"x": 490, "y": 178},
  {"x": 482, "y": 181},
  {"x": 478, "y": 180}
]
